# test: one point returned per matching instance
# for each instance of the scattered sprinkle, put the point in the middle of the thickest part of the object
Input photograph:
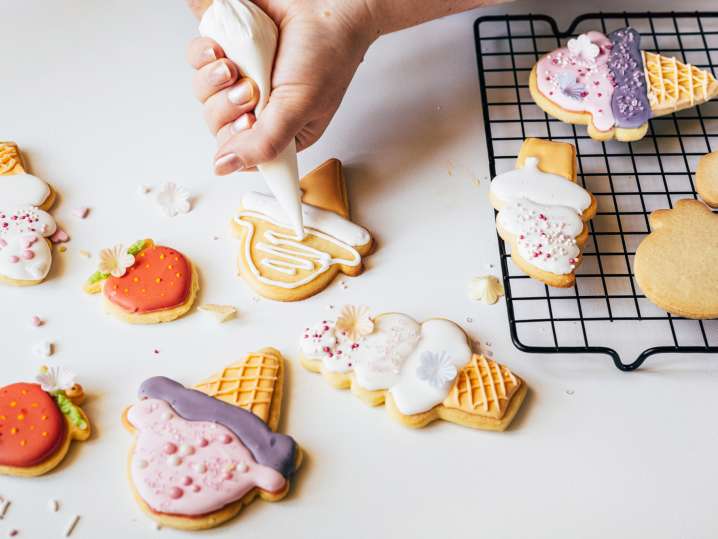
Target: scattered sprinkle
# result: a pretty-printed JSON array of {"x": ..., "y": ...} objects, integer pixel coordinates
[
  {"x": 570, "y": 392},
  {"x": 330, "y": 307},
  {"x": 60, "y": 236},
  {"x": 71, "y": 525},
  {"x": 143, "y": 189},
  {"x": 255, "y": 299},
  {"x": 54, "y": 506},
  {"x": 4, "y": 504},
  {"x": 85, "y": 254},
  {"x": 43, "y": 349},
  {"x": 62, "y": 248},
  {"x": 215, "y": 238},
  {"x": 156, "y": 351},
  {"x": 157, "y": 526},
  {"x": 82, "y": 212},
  {"x": 223, "y": 313},
  {"x": 37, "y": 321},
  {"x": 13, "y": 533}
]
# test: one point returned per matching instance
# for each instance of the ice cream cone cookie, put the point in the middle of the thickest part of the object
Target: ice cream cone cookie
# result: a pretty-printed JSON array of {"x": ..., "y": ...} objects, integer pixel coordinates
[
  {"x": 145, "y": 283},
  {"x": 25, "y": 224},
  {"x": 543, "y": 212},
  {"x": 422, "y": 371},
  {"x": 610, "y": 85},
  {"x": 200, "y": 455},
  {"x": 38, "y": 421},
  {"x": 279, "y": 265},
  {"x": 707, "y": 179},
  {"x": 676, "y": 265}
]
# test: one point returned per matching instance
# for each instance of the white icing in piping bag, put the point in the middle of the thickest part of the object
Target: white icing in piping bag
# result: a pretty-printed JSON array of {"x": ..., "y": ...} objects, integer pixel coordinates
[{"x": 249, "y": 38}]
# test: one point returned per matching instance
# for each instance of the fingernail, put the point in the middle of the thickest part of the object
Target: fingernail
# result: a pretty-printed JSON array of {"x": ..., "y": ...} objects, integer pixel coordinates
[
  {"x": 208, "y": 54},
  {"x": 241, "y": 123},
  {"x": 220, "y": 74},
  {"x": 240, "y": 93},
  {"x": 227, "y": 163}
]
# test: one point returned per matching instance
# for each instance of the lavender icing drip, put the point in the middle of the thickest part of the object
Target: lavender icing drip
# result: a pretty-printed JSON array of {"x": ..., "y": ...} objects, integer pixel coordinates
[
  {"x": 629, "y": 102},
  {"x": 268, "y": 448}
]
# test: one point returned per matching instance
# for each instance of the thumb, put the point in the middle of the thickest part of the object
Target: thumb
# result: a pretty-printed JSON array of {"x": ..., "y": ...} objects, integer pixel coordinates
[
  {"x": 198, "y": 7},
  {"x": 277, "y": 125}
]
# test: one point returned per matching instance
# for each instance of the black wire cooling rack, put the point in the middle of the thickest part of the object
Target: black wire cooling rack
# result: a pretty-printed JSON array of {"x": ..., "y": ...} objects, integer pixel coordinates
[{"x": 605, "y": 311}]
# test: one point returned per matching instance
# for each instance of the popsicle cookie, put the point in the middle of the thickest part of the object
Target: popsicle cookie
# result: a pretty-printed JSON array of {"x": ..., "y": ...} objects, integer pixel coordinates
[
  {"x": 613, "y": 87},
  {"x": 200, "y": 455},
  {"x": 145, "y": 283},
  {"x": 543, "y": 212},
  {"x": 421, "y": 371},
  {"x": 25, "y": 224},
  {"x": 280, "y": 266},
  {"x": 38, "y": 422}
]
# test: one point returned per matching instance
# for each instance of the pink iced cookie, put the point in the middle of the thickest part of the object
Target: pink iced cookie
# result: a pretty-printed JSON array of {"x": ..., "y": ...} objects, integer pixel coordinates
[{"x": 191, "y": 467}]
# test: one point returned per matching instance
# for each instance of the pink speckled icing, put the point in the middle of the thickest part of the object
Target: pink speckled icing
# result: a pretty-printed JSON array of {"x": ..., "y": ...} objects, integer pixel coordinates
[
  {"x": 191, "y": 467},
  {"x": 593, "y": 83}
]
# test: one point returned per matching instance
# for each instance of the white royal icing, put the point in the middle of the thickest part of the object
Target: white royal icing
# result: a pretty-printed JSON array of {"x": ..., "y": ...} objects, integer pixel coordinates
[
  {"x": 393, "y": 357},
  {"x": 543, "y": 211},
  {"x": 25, "y": 255},
  {"x": 285, "y": 253},
  {"x": 22, "y": 189}
]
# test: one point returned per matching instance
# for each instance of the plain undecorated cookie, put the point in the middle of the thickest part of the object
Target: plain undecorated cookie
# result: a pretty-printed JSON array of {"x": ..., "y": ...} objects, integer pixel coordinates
[
  {"x": 707, "y": 179},
  {"x": 676, "y": 265}
]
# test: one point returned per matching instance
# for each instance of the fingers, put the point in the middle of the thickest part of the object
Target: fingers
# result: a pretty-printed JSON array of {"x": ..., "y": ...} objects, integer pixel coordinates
[
  {"x": 198, "y": 7},
  {"x": 203, "y": 50},
  {"x": 230, "y": 104},
  {"x": 272, "y": 132},
  {"x": 213, "y": 77}
]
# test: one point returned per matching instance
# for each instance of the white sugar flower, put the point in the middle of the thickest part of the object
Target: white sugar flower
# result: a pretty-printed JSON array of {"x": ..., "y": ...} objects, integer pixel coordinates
[
  {"x": 486, "y": 288},
  {"x": 172, "y": 199},
  {"x": 115, "y": 261},
  {"x": 436, "y": 369},
  {"x": 55, "y": 379},
  {"x": 582, "y": 46},
  {"x": 355, "y": 322}
]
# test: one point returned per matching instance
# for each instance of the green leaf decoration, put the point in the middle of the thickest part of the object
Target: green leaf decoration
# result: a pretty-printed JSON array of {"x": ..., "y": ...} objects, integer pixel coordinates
[
  {"x": 97, "y": 276},
  {"x": 67, "y": 407},
  {"x": 136, "y": 247}
]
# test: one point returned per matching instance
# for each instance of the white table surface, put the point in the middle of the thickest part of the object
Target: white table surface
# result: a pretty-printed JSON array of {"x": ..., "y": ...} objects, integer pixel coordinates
[{"x": 98, "y": 95}]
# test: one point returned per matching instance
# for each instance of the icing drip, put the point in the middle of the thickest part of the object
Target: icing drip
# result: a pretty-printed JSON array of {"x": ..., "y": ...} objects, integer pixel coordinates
[
  {"x": 629, "y": 103},
  {"x": 393, "y": 357},
  {"x": 191, "y": 467},
  {"x": 543, "y": 212},
  {"x": 578, "y": 82},
  {"x": 274, "y": 450}
]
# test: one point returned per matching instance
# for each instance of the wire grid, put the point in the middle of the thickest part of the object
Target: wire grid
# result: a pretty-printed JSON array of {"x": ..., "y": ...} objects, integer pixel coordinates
[{"x": 605, "y": 311}]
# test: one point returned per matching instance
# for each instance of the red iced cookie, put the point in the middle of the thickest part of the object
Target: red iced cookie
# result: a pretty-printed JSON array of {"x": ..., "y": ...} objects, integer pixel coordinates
[
  {"x": 32, "y": 427},
  {"x": 159, "y": 279}
]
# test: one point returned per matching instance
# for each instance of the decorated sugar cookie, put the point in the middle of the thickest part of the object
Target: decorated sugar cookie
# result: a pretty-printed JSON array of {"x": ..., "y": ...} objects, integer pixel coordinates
[
  {"x": 422, "y": 371},
  {"x": 145, "y": 283},
  {"x": 609, "y": 84},
  {"x": 543, "y": 211},
  {"x": 25, "y": 224},
  {"x": 283, "y": 267},
  {"x": 38, "y": 421},
  {"x": 200, "y": 455},
  {"x": 676, "y": 265}
]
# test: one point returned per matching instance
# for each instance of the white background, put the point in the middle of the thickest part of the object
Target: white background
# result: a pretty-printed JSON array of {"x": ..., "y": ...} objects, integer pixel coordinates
[{"x": 98, "y": 94}]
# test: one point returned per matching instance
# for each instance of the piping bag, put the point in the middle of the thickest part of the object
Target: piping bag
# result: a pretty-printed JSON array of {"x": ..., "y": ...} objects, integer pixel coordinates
[{"x": 249, "y": 38}]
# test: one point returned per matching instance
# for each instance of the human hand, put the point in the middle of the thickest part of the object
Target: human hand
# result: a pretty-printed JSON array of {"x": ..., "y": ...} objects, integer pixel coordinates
[{"x": 321, "y": 44}]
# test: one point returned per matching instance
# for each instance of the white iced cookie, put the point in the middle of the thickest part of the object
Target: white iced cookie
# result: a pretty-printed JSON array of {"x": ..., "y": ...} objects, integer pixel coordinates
[
  {"x": 25, "y": 251},
  {"x": 423, "y": 371}
]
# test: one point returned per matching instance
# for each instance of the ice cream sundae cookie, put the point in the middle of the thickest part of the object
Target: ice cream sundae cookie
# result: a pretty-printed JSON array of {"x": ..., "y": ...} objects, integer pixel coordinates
[
  {"x": 676, "y": 265},
  {"x": 145, "y": 283},
  {"x": 200, "y": 455},
  {"x": 25, "y": 224},
  {"x": 281, "y": 266},
  {"x": 612, "y": 86},
  {"x": 422, "y": 371},
  {"x": 707, "y": 179},
  {"x": 38, "y": 421},
  {"x": 543, "y": 212}
]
